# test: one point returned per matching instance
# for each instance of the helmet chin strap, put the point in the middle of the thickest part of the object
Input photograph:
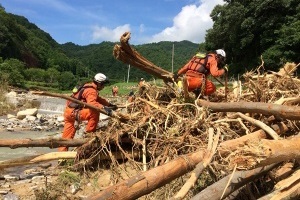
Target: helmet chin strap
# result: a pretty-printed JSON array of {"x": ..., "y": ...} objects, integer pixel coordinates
[{"x": 99, "y": 86}]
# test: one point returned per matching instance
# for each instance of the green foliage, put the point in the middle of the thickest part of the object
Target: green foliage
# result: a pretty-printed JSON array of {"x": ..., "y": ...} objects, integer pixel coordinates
[
  {"x": 35, "y": 74},
  {"x": 249, "y": 29},
  {"x": 245, "y": 29},
  {"x": 12, "y": 72},
  {"x": 51, "y": 192},
  {"x": 124, "y": 88},
  {"x": 52, "y": 75},
  {"x": 66, "y": 81},
  {"x": 68, "y": 178}
]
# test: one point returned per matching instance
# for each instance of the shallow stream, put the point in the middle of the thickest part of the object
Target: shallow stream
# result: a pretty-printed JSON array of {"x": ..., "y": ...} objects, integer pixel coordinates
[{"x": 48, "y": 106}]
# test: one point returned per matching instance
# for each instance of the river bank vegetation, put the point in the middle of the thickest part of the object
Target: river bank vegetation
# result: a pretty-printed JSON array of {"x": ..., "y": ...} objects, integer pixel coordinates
[{"x": 248, "y": 31}]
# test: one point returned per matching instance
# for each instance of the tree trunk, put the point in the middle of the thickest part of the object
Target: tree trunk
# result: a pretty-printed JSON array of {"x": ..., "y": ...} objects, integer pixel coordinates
[
  {"x": 228, "y": 146},
  {"x": 148, "y": 181},
  {"x": 51, "y": 143},
  {"x": 281, "y": 111},
  {"x": 130, "y": 56},
  {"x": 37, "y": 158},
  {"x": 288, "y": 188},
  {"x": 61, "y": 155},
  {"x": 265, "y": 152},
  {"x": 239, "y": 179}
]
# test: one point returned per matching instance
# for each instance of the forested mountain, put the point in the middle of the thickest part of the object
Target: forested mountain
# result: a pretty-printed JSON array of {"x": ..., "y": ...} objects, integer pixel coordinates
[
  {"x": 31, "y": 53},
  {"x": 246, "y": 30},
  {"x": 99, "y": 57}
]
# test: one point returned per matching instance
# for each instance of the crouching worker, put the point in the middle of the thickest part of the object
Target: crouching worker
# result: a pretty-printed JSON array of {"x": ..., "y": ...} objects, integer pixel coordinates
[
  {"x": 88, "y": 93},
  {"x": 199, "y": 68}
]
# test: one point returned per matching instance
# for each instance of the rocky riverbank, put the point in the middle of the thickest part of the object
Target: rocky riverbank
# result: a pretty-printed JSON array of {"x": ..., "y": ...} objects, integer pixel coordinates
[
  {"x": 24, "y": 182},
  {"x": 47, "y": 180}
]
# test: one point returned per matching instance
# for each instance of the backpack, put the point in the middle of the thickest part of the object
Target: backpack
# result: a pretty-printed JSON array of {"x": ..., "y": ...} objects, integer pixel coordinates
[
  {"x": 202, "y": 69},
  {"x": 77, "y": 89}
]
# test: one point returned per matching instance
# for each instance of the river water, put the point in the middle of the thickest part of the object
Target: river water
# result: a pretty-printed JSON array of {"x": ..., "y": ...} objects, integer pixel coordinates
[{"x": 48, "y": 106}]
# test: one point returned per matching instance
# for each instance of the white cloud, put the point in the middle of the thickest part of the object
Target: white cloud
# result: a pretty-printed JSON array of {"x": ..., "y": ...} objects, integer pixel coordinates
[
  {"x": 106, "y": 34},
  {"x": 190, "y": 24}
]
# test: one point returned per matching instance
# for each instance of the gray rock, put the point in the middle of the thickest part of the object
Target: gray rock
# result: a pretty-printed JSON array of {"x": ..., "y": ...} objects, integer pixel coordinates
[
  {"x": 38, "y": 178},
  {"x": 12, "y": 177},
  {"x": 10, "y": 196},
  {"x": 32, "y": 175},
  {"x": 10, "y": 129},
  {"x": 75, "y": 188},
  {"x": 23, "y": 113}
]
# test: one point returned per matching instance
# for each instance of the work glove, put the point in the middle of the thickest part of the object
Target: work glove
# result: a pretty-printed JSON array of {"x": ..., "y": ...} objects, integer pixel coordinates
[
  {"x": 108, "y": 110},
  {"x": 113, "y": 106},
  {"x": 226, "y": 68},
  {"x": 175, "y": 77}
]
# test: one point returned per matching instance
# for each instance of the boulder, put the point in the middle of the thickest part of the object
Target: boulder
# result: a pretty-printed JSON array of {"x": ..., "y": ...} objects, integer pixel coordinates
[
  {"x": 23, "y": 113},
  {"x": 11, "y": 97},
  {"x": 10, "y": 116}
]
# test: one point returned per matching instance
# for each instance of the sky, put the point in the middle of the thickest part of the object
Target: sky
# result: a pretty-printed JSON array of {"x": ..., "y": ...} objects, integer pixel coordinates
[{"x": 85, "y": 22}]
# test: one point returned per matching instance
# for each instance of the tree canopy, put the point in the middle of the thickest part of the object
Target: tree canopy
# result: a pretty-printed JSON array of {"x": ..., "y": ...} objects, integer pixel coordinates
[
  {"x": 250, "y": 29},
  {"x": 245, "y": 29}
]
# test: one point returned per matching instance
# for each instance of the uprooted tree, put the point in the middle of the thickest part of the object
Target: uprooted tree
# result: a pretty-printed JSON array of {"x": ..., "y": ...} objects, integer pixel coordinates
[{"x": 188, "y": 148}]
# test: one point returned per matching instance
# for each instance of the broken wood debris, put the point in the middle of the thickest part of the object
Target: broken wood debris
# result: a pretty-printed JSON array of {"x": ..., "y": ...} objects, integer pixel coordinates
[{"x": 175, "y": 128}]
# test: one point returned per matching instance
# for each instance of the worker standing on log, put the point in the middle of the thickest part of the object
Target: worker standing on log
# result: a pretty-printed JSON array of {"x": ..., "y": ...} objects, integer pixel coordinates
[
  {"x": 88, "y": 93},
  {"x": 199, "y": 67}
]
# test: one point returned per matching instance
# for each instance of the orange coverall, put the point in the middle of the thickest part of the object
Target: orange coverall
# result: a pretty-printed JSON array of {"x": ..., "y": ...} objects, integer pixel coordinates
[
  {"x": 195, "y": 78},
  {"x": 141, "y": 83},
  {"x": 115, "y": 91},
  {"x": 90, "y": 96}
]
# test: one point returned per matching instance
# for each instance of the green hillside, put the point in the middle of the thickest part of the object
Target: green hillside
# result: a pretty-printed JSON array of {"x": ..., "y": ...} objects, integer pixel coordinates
[
  {"x": 247, "y": 30},
  {"x": 39, "y": 58}
]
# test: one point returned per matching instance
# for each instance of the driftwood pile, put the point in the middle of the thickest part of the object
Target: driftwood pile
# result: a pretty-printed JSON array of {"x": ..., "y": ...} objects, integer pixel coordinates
[
  {"x": 238, "y": 149},
  {"x": 187, "y": 148}
]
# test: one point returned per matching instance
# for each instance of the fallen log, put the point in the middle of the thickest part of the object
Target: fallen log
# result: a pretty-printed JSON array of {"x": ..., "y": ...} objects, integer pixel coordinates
[
  {"x": 16, "y": 161},
  {"x": 211, "y": 150},
  {"x": 288, "y": 188},
  {"x": 239, "y": 179},
  {"x": 150, "y": 180},
  {"x": 229, "y": 146},
  {"x": 37, "y": 158},
  {"x": 120, "y": 116},
  {"x": 280, "y": 111},
  {"x": 282, "y": 172},
  {"x": 128, "y": 55},
  {"x": 61, "y": 155},
  {"x": 49, "y": 142},
  {"x": 265, "y": 152}
]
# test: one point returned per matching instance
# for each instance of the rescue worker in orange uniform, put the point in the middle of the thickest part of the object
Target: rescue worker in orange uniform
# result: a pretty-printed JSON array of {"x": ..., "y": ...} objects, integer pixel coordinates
[
  {"x": 75, "y": 112},
  {"x": 141, "y": 82},
  {"x": 131, "y": 96},
  {"x": 115, "y": 91},
  {"x": 199, "y": 67}
]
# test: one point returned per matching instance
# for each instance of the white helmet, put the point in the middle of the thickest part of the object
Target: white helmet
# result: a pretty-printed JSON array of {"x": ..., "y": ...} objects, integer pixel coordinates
[
  {"x": 221, "y": 52},
  {"x": 101, "y": 78}
]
